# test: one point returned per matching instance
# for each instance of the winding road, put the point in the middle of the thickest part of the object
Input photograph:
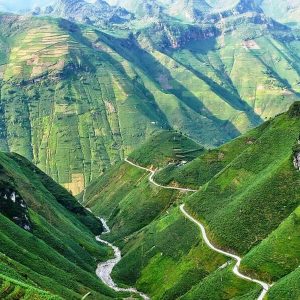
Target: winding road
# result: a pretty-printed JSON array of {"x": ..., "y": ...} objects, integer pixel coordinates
[
  {"x": 152, "y": 173},
  {"x": 265, "y": 286}
]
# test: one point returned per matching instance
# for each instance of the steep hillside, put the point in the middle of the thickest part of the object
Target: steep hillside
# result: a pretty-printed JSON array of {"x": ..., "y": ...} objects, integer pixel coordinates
[
  {"x": 115, "y": 193},
  {"x": 248, "y": 201},
  {"x": 166, "y": 147},
  {"x": 48, "y": 248},
  {"x": 75, "y": 100}
]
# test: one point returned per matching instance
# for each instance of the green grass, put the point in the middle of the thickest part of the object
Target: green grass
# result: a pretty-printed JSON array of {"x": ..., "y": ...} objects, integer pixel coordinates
[
  {"x": 165, "y": 148},
  {"x": 59, "y": 253},
  {"x": 76, "y": 100},
  {"x": 169, "y": 257},
  {"x": 258, "y": 183},
  {"x": 114, "y": 196},
  {"x": 286, "y": 288},
  {"x": 200, "y": 170},
  {"x": 277, "y": 255},
  {"x": 248, "y": 201}
]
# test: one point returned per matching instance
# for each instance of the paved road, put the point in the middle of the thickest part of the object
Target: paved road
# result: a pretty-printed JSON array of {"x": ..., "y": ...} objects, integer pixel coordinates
[
  {"x": 152, "y": 173},
  {"x": 238, "y": 259}
]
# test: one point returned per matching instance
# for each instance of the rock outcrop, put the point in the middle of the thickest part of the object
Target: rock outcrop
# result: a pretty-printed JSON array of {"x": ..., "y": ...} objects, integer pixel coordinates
[
  {"x": 296, "y": 155},
  {"x": 297, "y": 160},
  {"x": 13, "y": 206}
]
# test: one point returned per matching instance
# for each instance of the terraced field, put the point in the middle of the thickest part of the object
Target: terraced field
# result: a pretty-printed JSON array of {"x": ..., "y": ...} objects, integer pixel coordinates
[
  {"x": 76, "y": 100},
  {"x": 12, "y": 289}
]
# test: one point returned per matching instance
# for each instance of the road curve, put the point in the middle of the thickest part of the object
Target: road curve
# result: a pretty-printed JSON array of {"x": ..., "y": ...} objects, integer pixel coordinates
[
  {"x": 238, "y": 259},
  {"x": 152, "y": 173}
]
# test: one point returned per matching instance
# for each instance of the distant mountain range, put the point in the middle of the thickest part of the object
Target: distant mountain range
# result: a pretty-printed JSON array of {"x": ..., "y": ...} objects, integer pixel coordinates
[
  {"x": 117, "y": 11},
  {"x": 101, "y": 12}
]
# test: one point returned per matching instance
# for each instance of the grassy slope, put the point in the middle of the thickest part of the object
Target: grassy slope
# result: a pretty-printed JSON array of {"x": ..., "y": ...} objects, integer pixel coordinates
[
  {"x": 200, "y": 170},
  {"x": 13, "y": 289},
  {"x": 87, "y": 97},
  {"x": 114, "y": 194},
  {"x": 259, "y": 180},
  {"x": 60, "y": 253},
  {"x": 248, "y": 201},
  {"x": 287, "y": 287},
  {"x": 165, "y": 148}
]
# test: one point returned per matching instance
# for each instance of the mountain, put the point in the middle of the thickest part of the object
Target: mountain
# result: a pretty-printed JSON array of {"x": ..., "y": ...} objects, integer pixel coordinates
[
  {"x": 97, "y": 13},
  {"x": 247, "y": 196},
  {"x": 286, "y": 11},
  {"x": 48, "y": 248},
  {"x": 189, "y": 10},
  {"x": 67, "y": 90}
]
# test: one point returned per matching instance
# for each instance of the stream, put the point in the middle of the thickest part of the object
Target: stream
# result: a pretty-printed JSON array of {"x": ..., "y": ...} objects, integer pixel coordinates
[{"x": 104, "y": 269}]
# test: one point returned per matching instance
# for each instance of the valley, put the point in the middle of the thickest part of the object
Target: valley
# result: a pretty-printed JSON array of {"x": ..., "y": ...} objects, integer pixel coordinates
[
  {"x": 149, "y": 149},
  {"x": 157, "y": 241},
  {"x": 76, "y": 99}
]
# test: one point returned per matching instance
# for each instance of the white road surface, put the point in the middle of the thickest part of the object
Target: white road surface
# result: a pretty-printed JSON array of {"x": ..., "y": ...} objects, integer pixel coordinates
[{"x": 265, "y": 286}]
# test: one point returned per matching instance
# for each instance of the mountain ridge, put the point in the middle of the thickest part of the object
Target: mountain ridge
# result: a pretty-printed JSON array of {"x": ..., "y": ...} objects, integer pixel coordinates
[{"x": 255, "y": 180}]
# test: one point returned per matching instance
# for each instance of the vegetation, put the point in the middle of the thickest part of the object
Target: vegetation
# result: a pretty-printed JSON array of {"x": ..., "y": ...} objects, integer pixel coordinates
[
  {"x": 165, "y": 148},
  {"x": 54, "y": 250},
  {"x": 177, "y": 88},
  {"x": 248, "y": 201},
  {"x": 76, "y": 100}
]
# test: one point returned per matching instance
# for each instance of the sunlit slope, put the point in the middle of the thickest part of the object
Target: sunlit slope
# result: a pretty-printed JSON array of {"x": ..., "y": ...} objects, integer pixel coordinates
[
  {"x": 248, "y": 199},
  {"x": 47, "y": 239},
  {"x": 76, "y": 100},
  {"x": 14, "y": 289},
  {"x": 70, "y": 106},
  {"x": 114, "y": 194},
  {"x": 163, "y": 254}
]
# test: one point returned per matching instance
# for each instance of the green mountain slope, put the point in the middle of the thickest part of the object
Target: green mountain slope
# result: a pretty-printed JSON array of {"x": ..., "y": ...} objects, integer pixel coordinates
[
  {"x": 47, "y": 238},
  {"x": 115, "y": 192},
  {"x": 248, "y": 199},
  {"x": 75, "y": 99}
]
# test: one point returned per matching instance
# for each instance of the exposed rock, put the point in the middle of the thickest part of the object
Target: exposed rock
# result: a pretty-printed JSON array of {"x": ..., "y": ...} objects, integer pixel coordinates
[
  {"x": 296, "y": 155},
  {"x": 297, "y": 160},
  {"x": 14, "y": 207},
  {"x": 175, "y": 37}
]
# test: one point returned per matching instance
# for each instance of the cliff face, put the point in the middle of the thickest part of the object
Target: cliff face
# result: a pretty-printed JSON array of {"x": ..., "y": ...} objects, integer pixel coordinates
[
  {"x": 164, "y": 35},
  {"x": 296, "y": 155}
]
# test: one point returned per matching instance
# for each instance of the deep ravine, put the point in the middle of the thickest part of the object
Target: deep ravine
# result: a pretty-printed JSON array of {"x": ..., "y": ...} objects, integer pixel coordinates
[{"x": 104, "y": 269}]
